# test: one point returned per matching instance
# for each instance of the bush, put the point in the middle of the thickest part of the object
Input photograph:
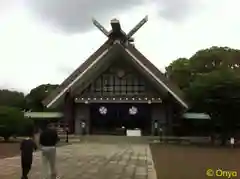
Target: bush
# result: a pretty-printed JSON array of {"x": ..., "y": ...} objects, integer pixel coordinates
[{"x": 12, "y": 122}]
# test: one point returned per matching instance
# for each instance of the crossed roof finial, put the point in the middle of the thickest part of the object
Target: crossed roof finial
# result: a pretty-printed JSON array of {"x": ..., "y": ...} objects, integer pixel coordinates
[{"x": 117, "y": 32}]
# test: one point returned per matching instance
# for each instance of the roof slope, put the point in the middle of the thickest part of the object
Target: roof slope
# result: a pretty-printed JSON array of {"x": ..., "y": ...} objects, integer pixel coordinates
[
  {"x": 104, "y": 49},
  {"x": 74, "y": 75},
  {"x": 173, "y": 89}
]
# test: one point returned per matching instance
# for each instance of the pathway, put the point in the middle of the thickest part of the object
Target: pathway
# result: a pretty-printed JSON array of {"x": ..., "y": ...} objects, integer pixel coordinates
[{"x": 91, "y": 161}]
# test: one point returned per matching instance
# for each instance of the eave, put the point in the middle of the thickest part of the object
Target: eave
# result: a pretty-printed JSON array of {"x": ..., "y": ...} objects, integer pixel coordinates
[{"x": 130, "y": 51}]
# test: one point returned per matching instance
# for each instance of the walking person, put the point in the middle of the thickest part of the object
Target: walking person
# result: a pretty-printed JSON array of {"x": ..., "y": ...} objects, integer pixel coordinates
[
  {"x": 83, "y": 125},
  {"x": 27, "y": 147},
  {"x": 48, "y": 140},
  {"x": 156, "y": 128},
  {"x": 160, "y": 134},
  {"x": 232, "y": 142}
]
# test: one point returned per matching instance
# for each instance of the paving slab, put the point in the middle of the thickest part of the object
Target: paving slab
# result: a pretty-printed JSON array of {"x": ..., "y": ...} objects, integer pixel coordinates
[{"x": 91, "y": 161}]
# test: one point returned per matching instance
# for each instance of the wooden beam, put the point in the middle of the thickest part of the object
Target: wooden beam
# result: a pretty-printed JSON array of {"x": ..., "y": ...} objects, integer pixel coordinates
[
  {"x": 137, "y": 27},
  {"x": 100, "y": 27},
  {"x": 118, "y": 100},
  {"x": 116, "y": 27}
]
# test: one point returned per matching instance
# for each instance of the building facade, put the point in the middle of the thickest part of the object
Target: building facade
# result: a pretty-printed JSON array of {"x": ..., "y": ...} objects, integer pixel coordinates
[{"x": 117, "y": 88}]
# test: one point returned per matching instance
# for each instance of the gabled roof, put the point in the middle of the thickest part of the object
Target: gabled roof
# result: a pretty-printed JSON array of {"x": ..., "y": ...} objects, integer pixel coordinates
[
  {"x": 140, "y": 60},
  {"x": 67, "y": 83},
  {"x": 117, "y": 39},
  {"x": 174, "y": 90}
]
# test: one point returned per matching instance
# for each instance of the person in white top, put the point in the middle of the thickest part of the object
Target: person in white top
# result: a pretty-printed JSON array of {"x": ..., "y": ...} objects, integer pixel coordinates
[
  {"x": 232, "y": 141},
  {"x": 83, "y": 126}
]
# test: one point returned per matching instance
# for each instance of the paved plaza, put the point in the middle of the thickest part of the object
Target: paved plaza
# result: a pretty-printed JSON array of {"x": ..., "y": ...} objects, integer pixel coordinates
[{"x": 91, "y": 161}]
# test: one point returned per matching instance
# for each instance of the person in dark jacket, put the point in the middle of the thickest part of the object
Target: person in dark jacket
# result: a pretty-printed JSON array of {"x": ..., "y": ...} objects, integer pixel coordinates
[
  {"x": 27, "y": 147},
  {"x": 48, "y": 140}
]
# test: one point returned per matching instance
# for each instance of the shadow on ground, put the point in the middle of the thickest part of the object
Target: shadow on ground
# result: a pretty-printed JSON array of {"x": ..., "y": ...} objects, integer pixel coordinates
[{"x": 12, "y": 148}]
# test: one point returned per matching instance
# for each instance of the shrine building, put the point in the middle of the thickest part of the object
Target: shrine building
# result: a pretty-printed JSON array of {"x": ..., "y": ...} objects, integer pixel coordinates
[{"x": 118, "y": 88}]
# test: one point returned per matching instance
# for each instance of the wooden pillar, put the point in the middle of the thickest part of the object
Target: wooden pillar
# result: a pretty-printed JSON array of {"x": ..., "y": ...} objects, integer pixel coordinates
[
  {"x": 169, "y": 117},
  {"x": 82, "y": 114},
  {"x": 155, "y": 111},
  {"x": 69, "y": 111},
  {"x": 159, "y": 115}
]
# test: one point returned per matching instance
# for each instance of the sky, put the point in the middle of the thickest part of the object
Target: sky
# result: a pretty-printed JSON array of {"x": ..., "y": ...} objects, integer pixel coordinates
[{"x": 43, "y": 41}]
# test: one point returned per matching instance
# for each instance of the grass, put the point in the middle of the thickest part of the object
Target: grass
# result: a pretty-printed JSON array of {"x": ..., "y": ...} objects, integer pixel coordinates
[{"x": 191, "y": 162}]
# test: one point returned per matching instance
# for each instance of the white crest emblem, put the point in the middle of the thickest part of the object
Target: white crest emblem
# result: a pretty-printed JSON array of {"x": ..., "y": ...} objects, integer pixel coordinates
[
  {"x": 103, "y": 110},
  {"x": 133, "y": 110}
]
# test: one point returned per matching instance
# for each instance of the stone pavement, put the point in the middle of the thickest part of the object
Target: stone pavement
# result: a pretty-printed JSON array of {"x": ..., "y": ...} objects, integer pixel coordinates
[{"x": 91, "y": 161}]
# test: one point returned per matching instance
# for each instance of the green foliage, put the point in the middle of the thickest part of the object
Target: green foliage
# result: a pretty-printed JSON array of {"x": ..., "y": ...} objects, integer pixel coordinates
[
  {"x": 12, "y": 98},
  {"x": 26, "y": 128},
  {"x": 178, "y": 71},
  {"x": 36, "y": 95},
  {"x": 10, "y": 120},
  {"x": 33, "y": 101},
  {"x": 215, "y": 90},
  {"x": 12, "y": 104},
  {"x": 184, "y": 71},
  {"x": 215, "y": 58},
  {"x": 211, "y": 80}
]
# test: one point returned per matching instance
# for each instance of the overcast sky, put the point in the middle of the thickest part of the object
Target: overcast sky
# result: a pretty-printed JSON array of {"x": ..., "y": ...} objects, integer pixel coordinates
[{"x": 43, "y": 41}]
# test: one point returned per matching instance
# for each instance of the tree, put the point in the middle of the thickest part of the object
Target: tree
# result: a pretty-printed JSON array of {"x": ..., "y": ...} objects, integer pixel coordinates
[
  {"x": 210, "y": 79},
  {"x": 11, "y": 119},
  {"x": 217, "y": 93},
  {"x": 179, "y": 72},
  {"x": 214, "y": 58},
  {"x": 36, "y": 95},
  {"x": 12, "y": 122},
  {"x": 12, "y": 98},
  {"x": 183, "y": 71}
]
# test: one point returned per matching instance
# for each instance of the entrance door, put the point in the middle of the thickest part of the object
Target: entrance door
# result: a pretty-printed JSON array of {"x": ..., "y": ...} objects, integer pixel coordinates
[
  {"x": 111, "y": 118},
  {"x": 103, "y": 118},
  {"x": 138, "y": 116}
]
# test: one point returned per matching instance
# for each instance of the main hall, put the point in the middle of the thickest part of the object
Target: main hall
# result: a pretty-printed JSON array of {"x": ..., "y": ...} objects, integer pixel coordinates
[{"x": 117, "y": 89}]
